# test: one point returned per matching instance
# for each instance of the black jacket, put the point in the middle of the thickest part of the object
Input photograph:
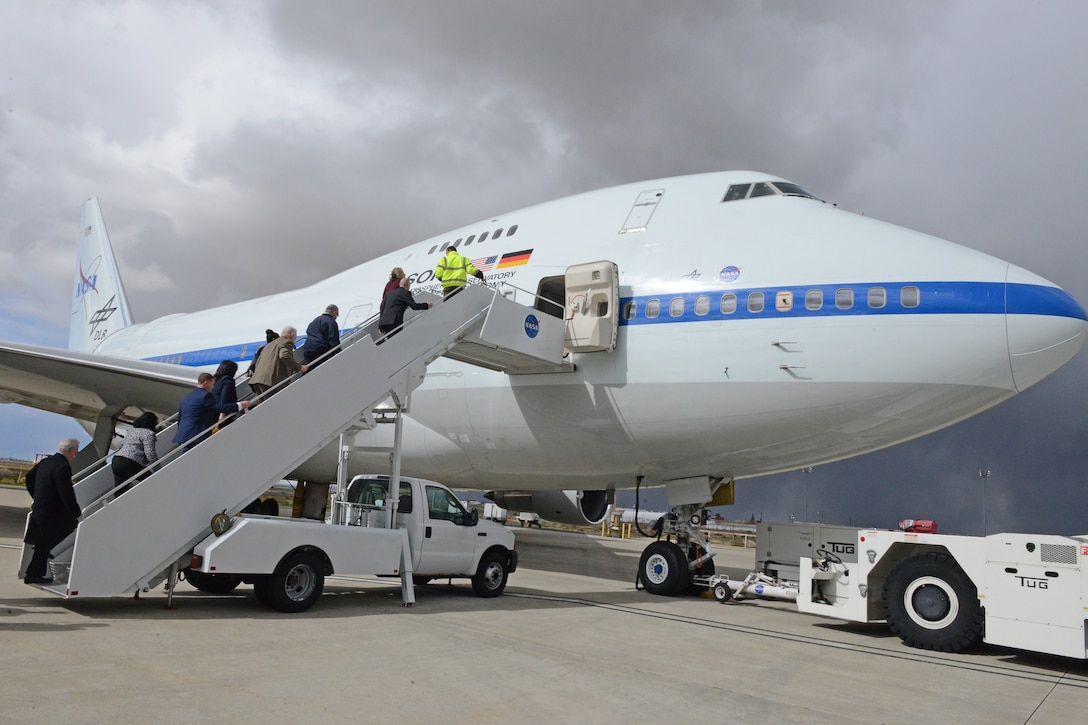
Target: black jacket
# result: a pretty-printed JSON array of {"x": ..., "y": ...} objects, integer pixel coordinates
[
  {"x": 54, "y": 497},
  {"x": 396, "y": 304}
]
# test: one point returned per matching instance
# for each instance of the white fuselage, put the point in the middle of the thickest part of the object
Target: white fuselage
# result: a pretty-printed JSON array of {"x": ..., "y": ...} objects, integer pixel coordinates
[{"x": 934, "y": 333}]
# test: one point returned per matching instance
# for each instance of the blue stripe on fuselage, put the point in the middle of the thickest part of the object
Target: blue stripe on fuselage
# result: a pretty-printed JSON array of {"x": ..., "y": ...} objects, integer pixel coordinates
[{"x": 934, "y": 298}]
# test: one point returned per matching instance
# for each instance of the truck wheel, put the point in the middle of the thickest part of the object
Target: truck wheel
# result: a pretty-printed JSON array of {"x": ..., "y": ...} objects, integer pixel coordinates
[
  {"x": 213, "y": 583},
  {"x": 297, "y": 582},
  {"x": 662, "y": 569},
  {"x": 491, "y": 575},
  {"x": 931, "y": 603}
]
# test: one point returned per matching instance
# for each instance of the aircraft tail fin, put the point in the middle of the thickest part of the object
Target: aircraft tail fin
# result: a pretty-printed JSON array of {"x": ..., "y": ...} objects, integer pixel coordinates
[{"x": 99, "y": 304}]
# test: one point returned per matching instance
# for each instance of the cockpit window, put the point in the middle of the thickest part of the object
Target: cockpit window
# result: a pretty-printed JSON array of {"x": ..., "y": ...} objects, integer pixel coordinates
[
  {"x": 736, "y": 192},
  {"x": 789, "y": 189}
]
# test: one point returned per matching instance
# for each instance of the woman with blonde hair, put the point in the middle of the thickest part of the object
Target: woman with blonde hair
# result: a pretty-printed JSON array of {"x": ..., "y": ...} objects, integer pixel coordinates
[{"x": 394, "y": 282}]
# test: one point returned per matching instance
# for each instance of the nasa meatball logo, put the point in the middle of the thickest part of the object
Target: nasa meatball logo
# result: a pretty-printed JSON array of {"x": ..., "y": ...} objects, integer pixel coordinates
[
  {"x": 729, "y": 274},
  {"x": 532, "y": 326}
]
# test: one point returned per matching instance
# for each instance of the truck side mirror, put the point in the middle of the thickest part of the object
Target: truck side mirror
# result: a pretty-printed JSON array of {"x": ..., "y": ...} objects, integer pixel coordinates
[{"x": 473, "y": 518}]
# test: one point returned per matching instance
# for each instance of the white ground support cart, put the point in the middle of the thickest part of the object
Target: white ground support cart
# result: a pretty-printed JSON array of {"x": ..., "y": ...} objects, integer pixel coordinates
[{"x": 937, "y": 591}]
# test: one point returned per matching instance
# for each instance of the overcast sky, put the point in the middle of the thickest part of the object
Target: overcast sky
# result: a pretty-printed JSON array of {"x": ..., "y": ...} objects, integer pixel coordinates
[{"x": 243, "y": 148}]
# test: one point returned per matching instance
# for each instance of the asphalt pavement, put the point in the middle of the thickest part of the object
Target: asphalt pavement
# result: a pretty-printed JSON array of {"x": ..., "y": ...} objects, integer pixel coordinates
[{"x": 571, "y": 641}]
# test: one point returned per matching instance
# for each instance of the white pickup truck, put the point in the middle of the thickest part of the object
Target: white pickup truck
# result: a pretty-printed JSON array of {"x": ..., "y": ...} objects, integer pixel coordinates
[{"x": 287, "y": 560}]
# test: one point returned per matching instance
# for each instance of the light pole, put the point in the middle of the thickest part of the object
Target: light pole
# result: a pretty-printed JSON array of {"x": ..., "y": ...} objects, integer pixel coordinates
[
  {"x": 983, "y": 473},
  {"x": 804, "y": 473}
]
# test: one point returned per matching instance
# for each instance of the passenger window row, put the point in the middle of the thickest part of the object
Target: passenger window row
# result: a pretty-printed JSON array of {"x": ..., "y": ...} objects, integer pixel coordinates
[
  {"x": 483, "y": 237},
  {"x": 876, "y": 298}
]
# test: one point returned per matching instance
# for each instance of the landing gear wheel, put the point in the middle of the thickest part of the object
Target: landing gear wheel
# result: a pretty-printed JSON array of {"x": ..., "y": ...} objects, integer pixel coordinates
[
  {"x": 931, "y": 604},
  {"x": 662, "y": 569},
  {"x": 722, "y": 592},
  {"x": 491, "y": 575},
  {"x": 297, "y": 582},
  {"x": 213, "y": 583}
]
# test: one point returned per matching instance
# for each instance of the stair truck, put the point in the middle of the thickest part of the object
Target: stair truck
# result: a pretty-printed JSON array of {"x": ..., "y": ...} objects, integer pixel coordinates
[{"x": 287, "y": 560}]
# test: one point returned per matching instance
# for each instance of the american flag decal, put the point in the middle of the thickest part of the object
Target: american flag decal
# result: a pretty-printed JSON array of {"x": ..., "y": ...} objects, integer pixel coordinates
[{"x": 484, "y": 264}]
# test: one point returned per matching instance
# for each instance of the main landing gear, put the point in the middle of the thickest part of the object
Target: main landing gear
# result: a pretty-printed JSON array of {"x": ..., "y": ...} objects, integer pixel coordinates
[{"x": 680, "y": 561}]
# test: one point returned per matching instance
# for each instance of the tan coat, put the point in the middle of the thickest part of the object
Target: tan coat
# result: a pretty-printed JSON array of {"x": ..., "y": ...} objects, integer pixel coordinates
[{"x": 276, "y": 363}]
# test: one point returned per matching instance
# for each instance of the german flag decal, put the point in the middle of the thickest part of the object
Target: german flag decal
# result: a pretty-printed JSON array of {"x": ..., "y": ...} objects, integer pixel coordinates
[{"x": 514, "y": 259}]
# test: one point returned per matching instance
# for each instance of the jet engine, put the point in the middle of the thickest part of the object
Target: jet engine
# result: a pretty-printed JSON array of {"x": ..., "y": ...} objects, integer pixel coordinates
[{"x": 576, "y": 508}]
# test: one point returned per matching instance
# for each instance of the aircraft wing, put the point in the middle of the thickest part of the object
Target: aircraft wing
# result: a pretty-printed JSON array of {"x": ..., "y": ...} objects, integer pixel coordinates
[{"x": 83, "y": 385}]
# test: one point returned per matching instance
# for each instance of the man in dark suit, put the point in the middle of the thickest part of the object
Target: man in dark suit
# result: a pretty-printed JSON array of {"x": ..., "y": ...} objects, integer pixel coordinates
[
  {"x": 396, "y": 304},
  {"x": 55, "y": 512},
  {"x": 200, "y": 410}
]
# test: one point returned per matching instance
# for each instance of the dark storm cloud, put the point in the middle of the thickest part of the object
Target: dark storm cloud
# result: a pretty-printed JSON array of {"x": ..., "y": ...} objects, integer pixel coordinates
[
  {"x": 633, "y": 91},
  {"x": 228, "y": 142}
]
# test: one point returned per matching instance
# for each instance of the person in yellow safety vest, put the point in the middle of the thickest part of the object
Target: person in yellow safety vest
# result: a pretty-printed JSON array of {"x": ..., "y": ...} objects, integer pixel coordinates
[{"x": 453, "y": 271}]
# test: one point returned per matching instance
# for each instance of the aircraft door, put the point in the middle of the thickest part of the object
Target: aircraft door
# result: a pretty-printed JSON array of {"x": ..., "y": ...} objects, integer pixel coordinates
[
  {"x": 357, "y": 315},
  {"x": 592, "y": 307}
]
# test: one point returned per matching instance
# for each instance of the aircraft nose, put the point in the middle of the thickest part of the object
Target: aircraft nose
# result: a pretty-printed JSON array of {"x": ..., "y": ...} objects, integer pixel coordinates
[{"x": 1045, "y": 326}]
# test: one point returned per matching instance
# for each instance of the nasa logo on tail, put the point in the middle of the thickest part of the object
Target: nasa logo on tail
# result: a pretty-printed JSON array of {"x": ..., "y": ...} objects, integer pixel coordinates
[{"x": 88, "y": 281}]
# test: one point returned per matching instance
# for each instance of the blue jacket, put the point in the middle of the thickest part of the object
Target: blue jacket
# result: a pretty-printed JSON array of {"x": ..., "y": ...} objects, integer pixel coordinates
[
  {"x": 199, "y": 410},
  {"x": 322, "y": 335}
]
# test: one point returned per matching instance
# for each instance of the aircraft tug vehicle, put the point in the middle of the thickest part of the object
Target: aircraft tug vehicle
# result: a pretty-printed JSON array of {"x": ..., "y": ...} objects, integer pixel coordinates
[{"x": 936, "y": 591}]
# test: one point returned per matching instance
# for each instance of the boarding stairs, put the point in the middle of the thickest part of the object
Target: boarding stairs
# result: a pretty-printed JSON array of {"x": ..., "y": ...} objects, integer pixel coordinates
[{"x": 129, "y": 543}]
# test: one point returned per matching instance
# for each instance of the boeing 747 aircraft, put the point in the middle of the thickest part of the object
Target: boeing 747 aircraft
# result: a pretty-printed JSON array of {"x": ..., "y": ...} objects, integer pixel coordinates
[{"x": 719, "y": 326}]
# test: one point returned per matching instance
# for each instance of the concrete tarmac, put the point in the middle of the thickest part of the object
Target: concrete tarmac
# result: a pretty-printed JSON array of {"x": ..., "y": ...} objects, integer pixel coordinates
[{"x": 571, "y": 641}]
